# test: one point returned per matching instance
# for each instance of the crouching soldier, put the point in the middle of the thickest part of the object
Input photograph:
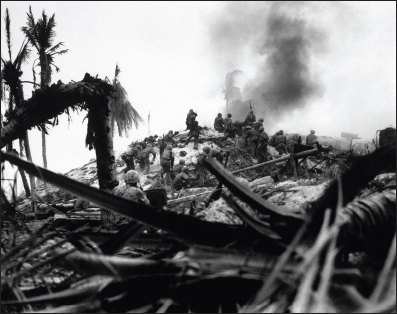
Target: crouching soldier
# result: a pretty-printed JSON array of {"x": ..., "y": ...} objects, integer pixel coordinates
[
  {"x": 129, "y": 191},
  {"x": 213, "y": 153},
  {"x": 167, "y": 163},
  {"x": 177, "y": 169},
  {"x": 219, "y": 124},
  {"x": 128, "y": 158},
  {"x": 182, "y": 179}
]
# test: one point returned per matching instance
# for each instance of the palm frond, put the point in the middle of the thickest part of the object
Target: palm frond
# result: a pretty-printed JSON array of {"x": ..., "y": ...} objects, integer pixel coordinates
[
  {"x": 54, "y": 48},
  {"x": 22, "y": 56}
]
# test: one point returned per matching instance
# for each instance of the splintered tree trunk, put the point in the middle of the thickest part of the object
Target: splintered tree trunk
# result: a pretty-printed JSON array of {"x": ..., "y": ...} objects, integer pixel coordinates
[
  {"x": 100, "y": 120},
  {"x": 44, "y": 149},
  {"x": 31, "y": 178},
  {"x": 23, "y": 175}
]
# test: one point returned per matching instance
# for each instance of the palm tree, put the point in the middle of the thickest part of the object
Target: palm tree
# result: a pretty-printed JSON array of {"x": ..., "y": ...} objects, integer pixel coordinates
[
  {"x": 230, "y": 90},
  {"x": 41, "y": 35},
  {"x": 121, "y": 109},
  {"x": 10, "y": 75}
]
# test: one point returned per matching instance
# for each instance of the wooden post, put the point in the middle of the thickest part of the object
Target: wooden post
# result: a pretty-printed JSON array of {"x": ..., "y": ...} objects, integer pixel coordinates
[{"x": 293, "y": 164}]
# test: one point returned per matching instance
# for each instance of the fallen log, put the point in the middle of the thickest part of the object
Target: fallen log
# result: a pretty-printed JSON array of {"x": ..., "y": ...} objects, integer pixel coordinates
[
  {"x": 312, "y": 152},
  {"x": 187, "y": 198}
]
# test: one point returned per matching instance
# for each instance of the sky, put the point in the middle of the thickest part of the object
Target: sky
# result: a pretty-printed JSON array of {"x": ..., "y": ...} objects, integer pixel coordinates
[{"x": 174, "y": 56}]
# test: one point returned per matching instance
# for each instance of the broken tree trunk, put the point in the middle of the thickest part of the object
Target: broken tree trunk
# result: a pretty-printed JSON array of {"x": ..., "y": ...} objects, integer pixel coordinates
[{"x": 49, "y": 102}]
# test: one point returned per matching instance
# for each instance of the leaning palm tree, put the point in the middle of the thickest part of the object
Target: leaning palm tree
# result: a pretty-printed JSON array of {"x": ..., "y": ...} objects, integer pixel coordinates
[
  {"x": 10, "y": 76},
  {"x": 121, "y": 109},
  {"x": 41, "y": 35},
  {"x": 230, "y": 90}
]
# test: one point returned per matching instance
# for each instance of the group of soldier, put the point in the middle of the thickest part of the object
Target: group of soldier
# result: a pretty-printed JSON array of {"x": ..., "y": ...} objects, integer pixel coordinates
[{"x": 253, "y": 133}]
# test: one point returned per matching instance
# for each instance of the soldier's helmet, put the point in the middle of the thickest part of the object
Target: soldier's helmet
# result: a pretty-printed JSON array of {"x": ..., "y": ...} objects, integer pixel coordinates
[
  {"x": 191, "y": 110},
  {"x": 206, "y": 149},
  {"x": 170, "y": 132},
  {"x": 169, "y": 147},
  {"x": 129, "y": 151},
  {"x": 131, "y": 177},
  {"x": 149, "y": 146},
  {"x": 281, "y": 132},
  {"x": 219, "y": 115},
  {"x": 312, "y": 131},
  {"x": 261, "y": 129},
  {"x": 185, "y": 169},
  {"x": 229, "y": 115},
  {"x": 182, "y": 161},
  {"x": 138, "y": 147},
  {"x": 156, "y": 136},
  {"x": 248, "y": 127},
  {"x": 261, "y": 119}
]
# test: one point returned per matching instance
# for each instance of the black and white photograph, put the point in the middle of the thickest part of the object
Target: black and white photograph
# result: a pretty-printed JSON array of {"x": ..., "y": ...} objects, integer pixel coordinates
[{"x": 198, "y": 156}]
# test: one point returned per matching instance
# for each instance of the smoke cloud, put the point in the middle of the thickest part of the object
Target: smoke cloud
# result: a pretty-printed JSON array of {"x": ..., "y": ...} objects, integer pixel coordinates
[{"x": 278, "y": 41}]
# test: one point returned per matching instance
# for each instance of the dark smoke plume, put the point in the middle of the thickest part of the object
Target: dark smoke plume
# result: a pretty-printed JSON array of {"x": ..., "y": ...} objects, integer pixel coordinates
[{"x": 283, "y": 45}]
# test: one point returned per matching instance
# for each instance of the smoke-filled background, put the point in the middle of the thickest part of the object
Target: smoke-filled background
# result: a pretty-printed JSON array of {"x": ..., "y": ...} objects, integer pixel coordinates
[
  {"x": 307, "y": 65},
  {"x": 283, "y": 42},
  {"x": 328, "y": 66}
]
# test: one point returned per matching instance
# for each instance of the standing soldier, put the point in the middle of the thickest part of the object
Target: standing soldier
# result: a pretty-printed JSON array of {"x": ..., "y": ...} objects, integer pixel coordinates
[
  {"x": 281, "y": 143},
  {"x": 219, "y": 123},
  {"x": 190, "y": 113},
  {"x": 253, "y": 137},
  {"x": 177, "y": 168},
  {"x": 128, "y": 157},
  {"x": 311, "y": 138},
  {"x": 194, "y": 132},
  {"x": 250, "y": 119},
  {"x": 230, "y": 128},
  {"x": 144, "y": 160},
  {"x": 262, "y": 148},
  {"x": 201, "y": 176},
  {"x": 258, "y": 124},
  {"x": 167, "y": 163},
  {"x": 182, "y": 179}
]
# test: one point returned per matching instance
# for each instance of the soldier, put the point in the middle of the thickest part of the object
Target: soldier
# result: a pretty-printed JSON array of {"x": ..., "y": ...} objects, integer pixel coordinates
[
  {"x": 311, "y": 138},
  {"x": 250, "y": 119},
  {"x": 253, "y": 137},
  {"x": 194, "y": 132},
  {"x": 182, "y": 179},
  {"x": 144, "y": 158},
  {"x": 169, "y": 138},
  {"x": 128, "y": 158},
  {"x": 229, "y": 127},
  {"x": 129, "y": 191},
  {"x": 190, "y": 113},
  {"x": 201, "y": 176},
  {"x": 213, "y": 153},
  {"x": 177, "y": 169},
  {"x": 262, "y": 146},
  {"x": 272, "y": 141},
  {"x": 151, "y": 139},
  {"x": 219, "y": 123},
  {"x": 167, "y": 163},
  {"x": 281, "y": 143},
  {"x": 258, "y": 124}
]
